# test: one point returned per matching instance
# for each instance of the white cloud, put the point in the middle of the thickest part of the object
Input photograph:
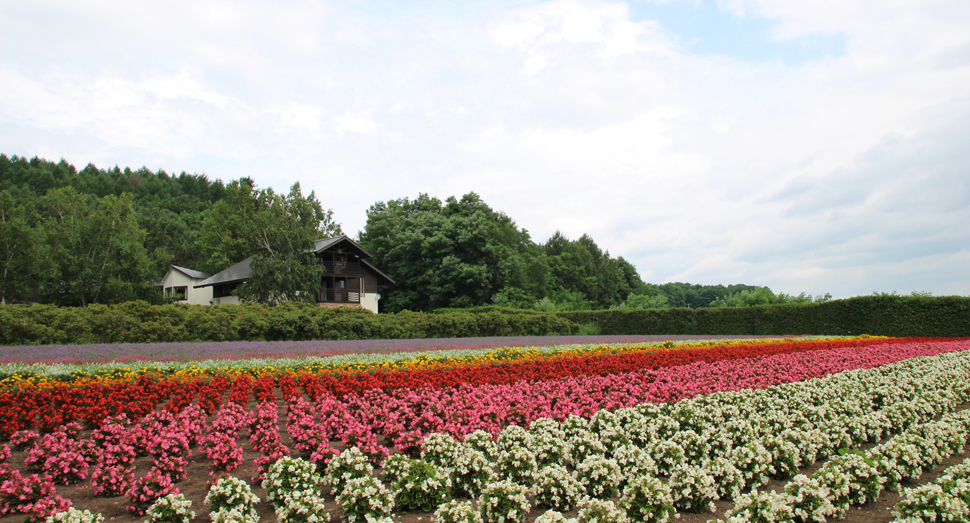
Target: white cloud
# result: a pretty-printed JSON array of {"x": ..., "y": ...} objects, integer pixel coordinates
[{"x": 843, "y": 174}]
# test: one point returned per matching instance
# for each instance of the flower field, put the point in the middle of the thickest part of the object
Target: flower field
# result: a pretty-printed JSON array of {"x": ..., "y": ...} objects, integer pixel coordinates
[{"x": 770, "y": 429}]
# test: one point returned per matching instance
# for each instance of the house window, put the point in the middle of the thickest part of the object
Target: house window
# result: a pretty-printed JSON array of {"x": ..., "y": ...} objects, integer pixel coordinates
[
  {"x": 362, "y": 292},
  {"x": 180, "y": 291},
  {"x": 224, "y": 290}
]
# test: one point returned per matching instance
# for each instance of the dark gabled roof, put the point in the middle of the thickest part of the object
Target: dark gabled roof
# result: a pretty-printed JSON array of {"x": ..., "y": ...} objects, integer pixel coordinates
[
  {"x": 236, "y": 273},
  {"x": 240, "y": 271},
  {"x": 387, "y": 279},
  {"x": 195, "y": 275},
  {"x": 328, "y": 243}
]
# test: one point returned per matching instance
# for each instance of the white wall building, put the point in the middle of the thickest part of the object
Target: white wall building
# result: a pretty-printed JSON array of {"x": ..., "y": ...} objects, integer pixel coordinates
[{"x": 182, "y": 281}]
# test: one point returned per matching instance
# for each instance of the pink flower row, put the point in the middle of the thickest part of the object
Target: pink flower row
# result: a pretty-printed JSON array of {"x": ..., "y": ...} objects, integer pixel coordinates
[{"x": 406, "y": 416}]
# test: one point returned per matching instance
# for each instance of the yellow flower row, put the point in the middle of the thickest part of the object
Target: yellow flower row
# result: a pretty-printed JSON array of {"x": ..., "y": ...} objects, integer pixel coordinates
[{"x": 230, "y": 369}]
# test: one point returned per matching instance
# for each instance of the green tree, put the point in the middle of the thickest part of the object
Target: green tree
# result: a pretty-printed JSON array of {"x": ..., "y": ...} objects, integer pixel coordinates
[
  {"x": 643, "y": 301},
  {"x": 764, "y": 296},
  {"x": 225, "y": 236},
  {"x": 170, "y": 238},
  {"x": 277, "y": 230},
  {"x": 97, "y": 249},
  {"x": 582, "y": 276},
  {"x": 452, "y": 254},
  {"x": 281, "y": 233},
  {"x": 23, "y": 251}
]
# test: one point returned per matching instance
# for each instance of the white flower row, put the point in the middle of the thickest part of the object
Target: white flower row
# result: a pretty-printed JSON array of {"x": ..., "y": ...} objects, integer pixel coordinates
[
  {"x": 714, "y": 447},
  {"x": 946, "y": 499}
]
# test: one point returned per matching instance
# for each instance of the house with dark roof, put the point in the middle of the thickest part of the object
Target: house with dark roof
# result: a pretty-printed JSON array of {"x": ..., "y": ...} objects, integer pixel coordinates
[
  {"x": 348, "y": 278},
  {"x": 179, "y": 281}
]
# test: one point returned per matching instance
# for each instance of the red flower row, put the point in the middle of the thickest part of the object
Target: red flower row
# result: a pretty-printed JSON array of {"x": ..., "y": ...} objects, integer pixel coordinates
[
  {"x": 342, "y": 385},
  {"x": 91, "y": 404}
]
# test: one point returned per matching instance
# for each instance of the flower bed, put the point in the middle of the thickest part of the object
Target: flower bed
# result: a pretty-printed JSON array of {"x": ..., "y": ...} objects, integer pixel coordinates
[{"x": 601, "y": 431}]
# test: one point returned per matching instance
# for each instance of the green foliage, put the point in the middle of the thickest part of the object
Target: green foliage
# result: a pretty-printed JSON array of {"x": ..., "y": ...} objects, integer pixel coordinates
[
  {"x": 142, "y": 322},
  {"x": 764, "y": 296},
  {"x": 168, "y": 207},
  {"x": 647, "y": 499},
  {"x": 416, "y": 484},
  {"x": 638, "y": 302},
  {"x": 693, "y": 296},
  {"x": 459, "y": 253},
  {"x": 886, "y": 315},
  {"x": 97, "y": 249},
  {"x": 23, "y": 249},
  {"x": 462, "y": 254},
  {"x": 223, "y": 239},
  {"x": 103, "y": 236},
  {"x": 278, "y": 230}
]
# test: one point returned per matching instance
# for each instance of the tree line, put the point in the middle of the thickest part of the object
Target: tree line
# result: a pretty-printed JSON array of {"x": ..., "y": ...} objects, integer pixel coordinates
[{"x": 77, "y": 237}]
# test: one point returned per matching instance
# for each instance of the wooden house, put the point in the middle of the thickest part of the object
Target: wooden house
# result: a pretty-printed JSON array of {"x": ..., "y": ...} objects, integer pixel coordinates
[{"x": 348, "y": 278}]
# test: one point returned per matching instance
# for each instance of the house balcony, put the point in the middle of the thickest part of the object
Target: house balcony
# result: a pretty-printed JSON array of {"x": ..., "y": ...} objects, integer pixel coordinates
[
  {"x": 338, "y": 268},
  {"x": 339, "y": 296}
]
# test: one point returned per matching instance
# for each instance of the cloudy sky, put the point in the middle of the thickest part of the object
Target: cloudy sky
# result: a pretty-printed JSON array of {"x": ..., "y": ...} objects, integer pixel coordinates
[{"x": 807, "y": 146}]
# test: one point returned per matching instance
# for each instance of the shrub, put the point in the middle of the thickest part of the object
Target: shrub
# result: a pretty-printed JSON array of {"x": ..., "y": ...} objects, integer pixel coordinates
[
  {"x": 518, "y": 464},
  {"x": 504, "y": 502},
  {"x": 931, "y": 503},
  {"x": 471, "y": 472},
  {"x": 555, "y": 487},
  {"x": 147, "y": 489},
  {"x": 349, "y": 464},
  {"x": 634, "y": 462},
  {"x": 301, "y": 506},
  {"x": 599, "y": 476},
  {"x": 73, "y": 515},
  {"x": 365, "y": 498},
  {"x": 439, "y": 450},
  {"x": 693, "y": 488},
  {"x": 809, "y": 499},
  {"x": 481, "y": 441},
  {"x": 223, "y": 450},
  {"x": 667, "y": 455},
  {"x": 416, "y": 484},
  {"x": 57, "y": 454},
  {"x": 457, "y": 512},
  {"x": 728, "y": 479},
  {"x": 548, "y": 442},
  {"x": 288, "y": 475},
  {"x": 864, "y": 482},
  {"x": 553, "y": 516},
  {"x": 761, "y": 507},
  {"x": 231, "y": 500},
  {"x": 754, "y": 462},
  {"x": 172, "y": 508},
  {"x": 647, "y": 500},
  {"x": 583, "y": 444},
  {"x": 600, "y": 511},
  {"x": 234, "y": 515}
]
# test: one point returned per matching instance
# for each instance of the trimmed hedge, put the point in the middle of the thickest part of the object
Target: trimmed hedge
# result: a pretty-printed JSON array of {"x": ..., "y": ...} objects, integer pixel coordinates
[
  {"x": 874, "y": 315},
  {"x": 139, "y": 322}
]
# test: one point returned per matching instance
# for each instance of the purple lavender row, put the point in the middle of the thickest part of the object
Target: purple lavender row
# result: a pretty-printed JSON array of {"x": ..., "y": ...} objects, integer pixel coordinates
[{"x": 120, "y": 352}]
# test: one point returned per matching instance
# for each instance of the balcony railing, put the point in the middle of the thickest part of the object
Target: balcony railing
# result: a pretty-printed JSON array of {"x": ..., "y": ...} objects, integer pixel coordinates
[
  {"x": 347, "y": 268},
  {"x": 339, "y": 296}
]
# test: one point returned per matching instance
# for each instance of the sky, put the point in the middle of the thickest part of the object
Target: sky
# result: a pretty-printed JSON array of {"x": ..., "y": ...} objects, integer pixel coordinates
[{"x": 807, "y": 146}]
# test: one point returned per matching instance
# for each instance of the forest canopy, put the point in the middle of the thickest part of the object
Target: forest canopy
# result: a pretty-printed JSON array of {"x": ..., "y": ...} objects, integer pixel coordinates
[{"x": 76, "y": 237}]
